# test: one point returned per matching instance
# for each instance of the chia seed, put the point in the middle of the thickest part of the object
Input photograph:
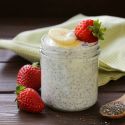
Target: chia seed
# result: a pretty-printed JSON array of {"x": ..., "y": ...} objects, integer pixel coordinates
[
  {"x": 69, "y": 80},
  {"x": 113, "y": 108}
]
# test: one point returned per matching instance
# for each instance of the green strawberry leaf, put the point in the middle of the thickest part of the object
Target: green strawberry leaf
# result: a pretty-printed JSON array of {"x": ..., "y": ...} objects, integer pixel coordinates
[
  {"x": 19, "y": 89},
  {"x": 98, "y": 30},
  {"x": 36, "y": 64}
]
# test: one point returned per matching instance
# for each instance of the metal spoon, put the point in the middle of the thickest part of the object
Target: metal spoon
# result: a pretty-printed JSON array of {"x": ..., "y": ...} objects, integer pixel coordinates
[{"x": 114, "y": 109}]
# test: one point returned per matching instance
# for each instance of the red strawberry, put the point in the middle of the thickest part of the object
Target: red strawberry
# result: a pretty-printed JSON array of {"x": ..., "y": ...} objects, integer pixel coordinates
[
  {"x": 29, "y": 100},
  {"x": 30, "y": 76},
  {"x": 89, "y": 31}
]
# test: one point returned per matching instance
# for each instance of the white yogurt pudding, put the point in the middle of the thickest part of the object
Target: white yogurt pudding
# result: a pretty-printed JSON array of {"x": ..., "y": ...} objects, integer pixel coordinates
[{"x": 69, "y": 75}]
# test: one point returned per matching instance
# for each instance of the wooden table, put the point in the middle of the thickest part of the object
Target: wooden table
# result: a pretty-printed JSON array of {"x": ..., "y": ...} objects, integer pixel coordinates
[{"x": 9, "y": 66}]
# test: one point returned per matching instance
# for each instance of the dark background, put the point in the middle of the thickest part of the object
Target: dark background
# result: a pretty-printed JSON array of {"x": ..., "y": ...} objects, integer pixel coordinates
[
  {"x": 60, "y": 8},
  {"x": 21, "y": 15}
]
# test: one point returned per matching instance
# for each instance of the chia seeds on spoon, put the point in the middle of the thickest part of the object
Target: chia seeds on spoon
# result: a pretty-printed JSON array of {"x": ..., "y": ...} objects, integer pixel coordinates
[{"x": 113, "y": 108}]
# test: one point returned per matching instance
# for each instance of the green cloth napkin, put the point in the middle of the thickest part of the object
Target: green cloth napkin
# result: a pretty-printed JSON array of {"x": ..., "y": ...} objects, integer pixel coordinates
[{"x": 111, "y": 58}]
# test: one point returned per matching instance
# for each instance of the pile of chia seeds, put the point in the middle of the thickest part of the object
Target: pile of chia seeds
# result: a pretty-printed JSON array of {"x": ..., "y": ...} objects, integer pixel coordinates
[{"x": 113, "y": 108}]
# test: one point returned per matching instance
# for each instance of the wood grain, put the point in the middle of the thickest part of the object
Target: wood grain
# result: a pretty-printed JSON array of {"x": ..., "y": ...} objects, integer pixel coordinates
[
  {"x": 10, "y": 115},
  {"x": 8, "y": 73},
  {"x": 7, "y": 56},
  {"x": 10, "y": 27}
]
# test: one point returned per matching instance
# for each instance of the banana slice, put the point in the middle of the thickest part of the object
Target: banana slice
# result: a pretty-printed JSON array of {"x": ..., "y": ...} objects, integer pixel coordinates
[{"x": 63, "y": 37}]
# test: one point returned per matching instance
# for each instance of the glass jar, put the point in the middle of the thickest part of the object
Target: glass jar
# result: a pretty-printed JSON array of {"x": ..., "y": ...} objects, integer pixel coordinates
[{"x": 69, "y": 75}]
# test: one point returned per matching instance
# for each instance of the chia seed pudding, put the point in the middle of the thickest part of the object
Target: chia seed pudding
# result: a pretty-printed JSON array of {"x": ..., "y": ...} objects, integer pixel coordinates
[{"x": 69, "y": 75}]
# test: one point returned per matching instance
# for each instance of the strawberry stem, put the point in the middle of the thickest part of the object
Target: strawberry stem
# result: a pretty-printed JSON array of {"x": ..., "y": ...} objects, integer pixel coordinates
[
  {"x": 36, "y": 64},
  {"x": 19, "y": 89},
  {"x": 97, "y": 29}
]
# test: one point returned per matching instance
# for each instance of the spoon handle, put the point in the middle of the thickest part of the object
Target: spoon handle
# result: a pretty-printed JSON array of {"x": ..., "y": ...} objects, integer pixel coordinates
[{"x": 122, "y": 99}]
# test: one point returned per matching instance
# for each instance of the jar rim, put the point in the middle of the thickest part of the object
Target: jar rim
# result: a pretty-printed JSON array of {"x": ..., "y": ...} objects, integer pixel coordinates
[{"x": 86, "y": 51}]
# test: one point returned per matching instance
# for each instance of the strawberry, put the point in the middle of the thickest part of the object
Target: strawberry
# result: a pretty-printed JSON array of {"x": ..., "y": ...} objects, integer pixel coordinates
[
  {"x": 89, "y": 31},
  {"x": 29, "y": 100},
  {"x": 30, "y": 76}
]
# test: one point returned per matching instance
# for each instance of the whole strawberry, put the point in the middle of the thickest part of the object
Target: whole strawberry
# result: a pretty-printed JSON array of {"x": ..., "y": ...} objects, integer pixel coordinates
[
  {"x": 89, "y": 31},
  {"x": 30, "y": 76},
  {"x": 29, "y": 100}
]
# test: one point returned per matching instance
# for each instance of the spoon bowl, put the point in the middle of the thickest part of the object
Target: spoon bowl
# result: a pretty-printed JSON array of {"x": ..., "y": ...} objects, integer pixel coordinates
[{"x": 114, "y": 109}]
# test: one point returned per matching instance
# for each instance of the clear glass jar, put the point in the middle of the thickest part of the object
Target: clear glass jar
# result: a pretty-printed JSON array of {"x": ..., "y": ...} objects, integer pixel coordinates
[{"x": 69, "y": 76}]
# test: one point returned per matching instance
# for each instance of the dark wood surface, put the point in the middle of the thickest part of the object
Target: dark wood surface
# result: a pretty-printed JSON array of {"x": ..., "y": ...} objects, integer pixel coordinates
[{"x": 10, "y": 63}]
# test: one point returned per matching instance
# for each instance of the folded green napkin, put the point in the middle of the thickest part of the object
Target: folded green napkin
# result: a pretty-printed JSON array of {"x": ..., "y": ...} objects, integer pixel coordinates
[{"x": 112, "y": 56}]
